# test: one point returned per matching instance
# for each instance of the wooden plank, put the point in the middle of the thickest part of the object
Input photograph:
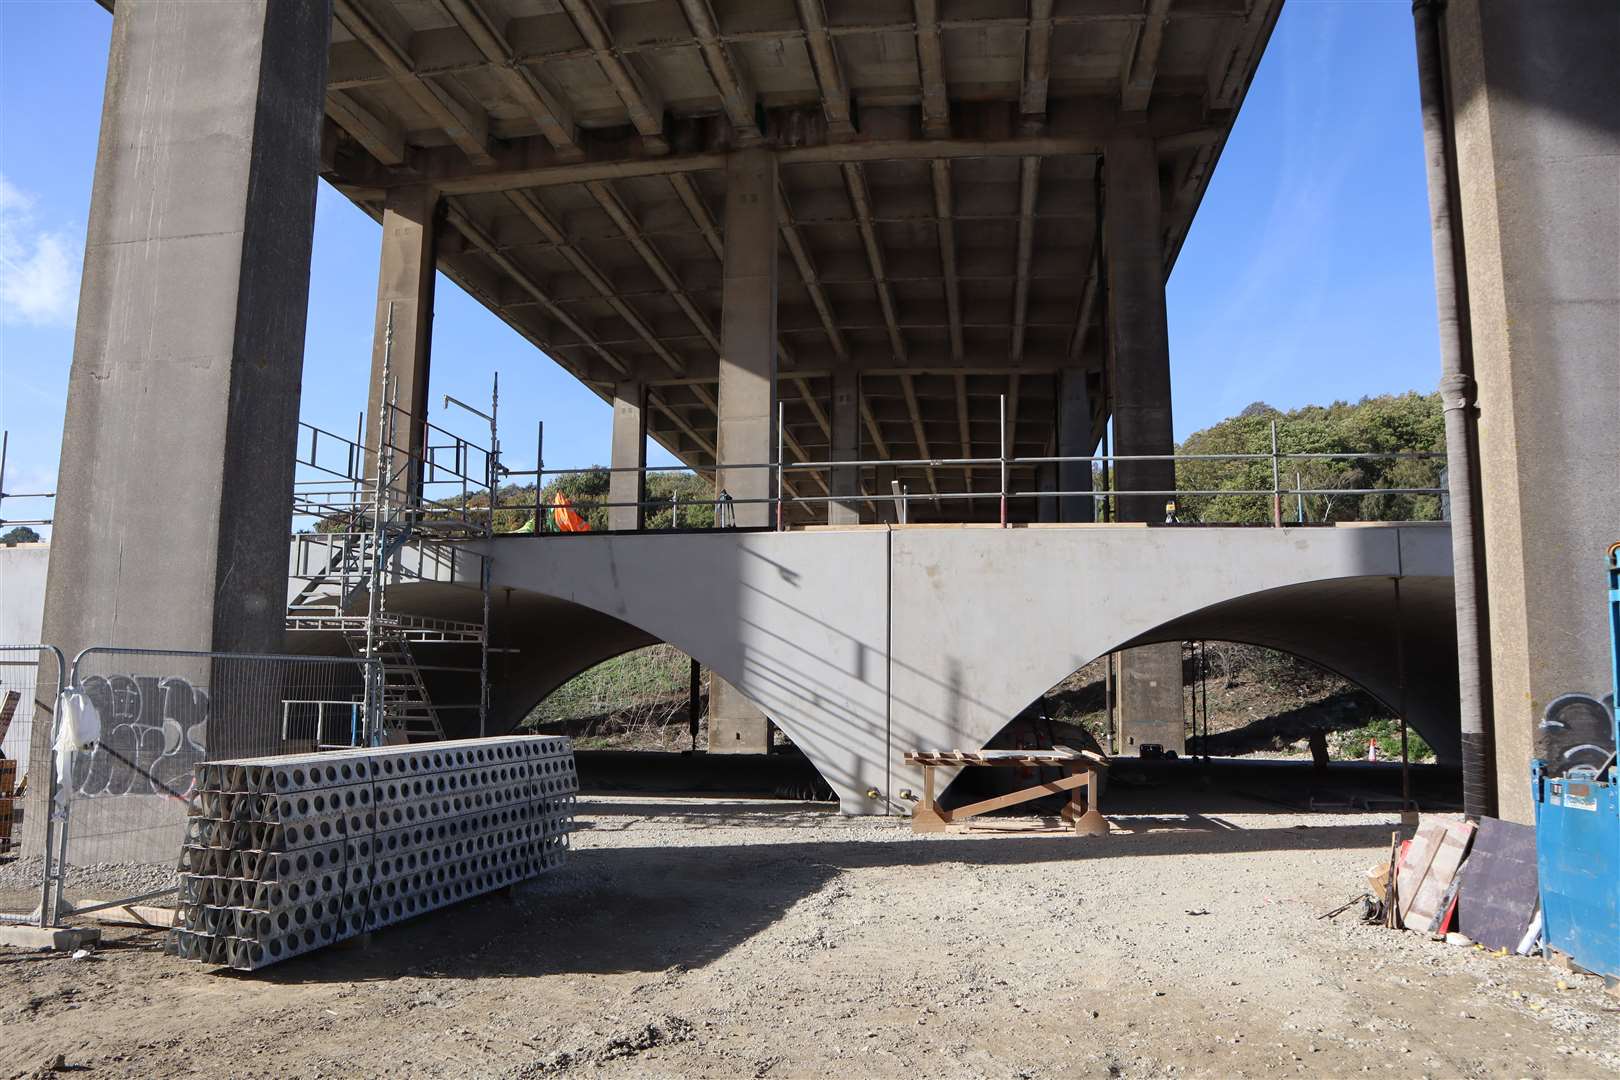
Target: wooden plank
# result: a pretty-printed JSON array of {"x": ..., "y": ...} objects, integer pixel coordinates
[
  {"x": 1436, "y": 855},
  {"x": 1013, "y": 798},
  {"x": 8, "y": 709}
]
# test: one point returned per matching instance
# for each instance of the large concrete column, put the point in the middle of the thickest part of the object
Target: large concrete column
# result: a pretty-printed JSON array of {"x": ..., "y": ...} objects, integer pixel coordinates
[
  {"x": 177, "y": 451},
  {"x": 402, "y": 336},
  {"x": 175, "y": 489},
  {"x": 629, "y": 452},
  {"x": 1150, "y": 677},
  {"x": 748, "y": 334},
  {"x": 1535, "y": 95},
  {"x": 747, "y": 396},
  {"x": 1136, "y": 317},
  {"x": 846, "y": 446},
  {"x": 1074, "y": 440}
]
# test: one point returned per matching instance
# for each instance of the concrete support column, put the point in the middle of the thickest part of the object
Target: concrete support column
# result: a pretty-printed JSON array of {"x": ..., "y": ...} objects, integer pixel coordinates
[
  {"x": 748, "y": 335},
  {"x": 1074, "y": 440},
  {"x": 747, "y": 396},
  {"x": 1150, "y": 699},
  {"x": 736, "y": 725},
  {"x": 1046, "y": 478},
  {"x": 1535, "y": 101},
  {"x": 629, "y": 452},
  {"x": 403, "y": 333},
  {"x": 175, "y": 489},
  {"x": 846, "y": 446},
  {"x": 1136, "y": 316},
  {"x": 1150, "y": 677},
  {"x": 177, "y": 451}
]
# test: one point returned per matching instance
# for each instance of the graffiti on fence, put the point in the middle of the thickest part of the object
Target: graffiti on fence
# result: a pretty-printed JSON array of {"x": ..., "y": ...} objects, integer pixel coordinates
[{"x": 154, "y": 730}]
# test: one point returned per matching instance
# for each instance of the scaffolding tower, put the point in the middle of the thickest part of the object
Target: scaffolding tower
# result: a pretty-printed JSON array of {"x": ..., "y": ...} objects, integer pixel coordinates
[{"x": 400, "y": 507}]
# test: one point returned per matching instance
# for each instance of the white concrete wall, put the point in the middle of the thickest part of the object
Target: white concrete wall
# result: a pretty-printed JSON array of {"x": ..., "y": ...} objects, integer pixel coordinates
[
  {"x": 22, "y": 606},
  {"x": 863, "y": 643}
]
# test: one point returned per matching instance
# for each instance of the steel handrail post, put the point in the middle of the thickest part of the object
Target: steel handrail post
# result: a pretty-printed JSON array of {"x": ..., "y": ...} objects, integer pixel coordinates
[
  {"x": 51, "y": 791},
  {"x": 1276, "y": 482},
  {"x": 1002, "y": 410},
  {"x": 781, "y": 431}
]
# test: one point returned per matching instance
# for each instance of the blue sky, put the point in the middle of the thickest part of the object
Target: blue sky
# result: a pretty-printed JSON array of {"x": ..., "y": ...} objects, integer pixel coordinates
[{"x": 1307, "y": 276}]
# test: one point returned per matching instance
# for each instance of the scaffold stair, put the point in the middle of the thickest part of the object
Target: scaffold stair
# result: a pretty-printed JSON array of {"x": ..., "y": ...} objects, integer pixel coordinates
[{"x": 406, "y": 707}]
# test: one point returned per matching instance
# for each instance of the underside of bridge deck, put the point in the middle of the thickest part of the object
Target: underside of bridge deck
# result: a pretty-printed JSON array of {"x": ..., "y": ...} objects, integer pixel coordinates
[{"x": 939, "y": 173}]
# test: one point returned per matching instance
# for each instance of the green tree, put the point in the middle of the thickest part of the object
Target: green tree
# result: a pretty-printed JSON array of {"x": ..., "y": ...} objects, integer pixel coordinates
[
  {"x": 1390, "y": 424},
  {"x": 20, "y": 534}
]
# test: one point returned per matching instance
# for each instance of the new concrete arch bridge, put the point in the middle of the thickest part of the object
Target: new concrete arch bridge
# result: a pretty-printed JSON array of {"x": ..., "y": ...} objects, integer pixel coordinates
[{"x": 864, "y": 642}]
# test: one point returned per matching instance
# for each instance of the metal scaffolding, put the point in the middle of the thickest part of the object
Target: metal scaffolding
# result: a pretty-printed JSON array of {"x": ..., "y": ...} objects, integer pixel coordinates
[{"x": 396, "y": 507}]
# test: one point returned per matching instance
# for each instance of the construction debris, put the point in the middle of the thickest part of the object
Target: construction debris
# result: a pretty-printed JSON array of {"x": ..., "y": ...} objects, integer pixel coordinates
[{"x": 286, "y": 854}]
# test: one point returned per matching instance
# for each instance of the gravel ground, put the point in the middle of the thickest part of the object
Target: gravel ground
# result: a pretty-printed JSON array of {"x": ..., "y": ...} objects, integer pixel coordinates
[
  {"x": 728, "y": 938},
  {"x": 20, "y": 877}
]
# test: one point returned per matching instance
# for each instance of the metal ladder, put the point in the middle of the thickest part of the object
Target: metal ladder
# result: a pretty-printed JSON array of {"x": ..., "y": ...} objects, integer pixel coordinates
[{"x": 406, "y": 708}]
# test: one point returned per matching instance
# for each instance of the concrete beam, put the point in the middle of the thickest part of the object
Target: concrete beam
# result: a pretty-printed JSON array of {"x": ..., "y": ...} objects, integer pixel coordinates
[
  {"x": 388, "y": 37},
  {"x": 548, "y": 110},
  {"x": 1142, "y": 60},
  {"x": 730, "y": 79},
  {"x": 936, "y": 106},
  {"x": 1081, "y": 126},
  {"x": 1037, "y": 63}
]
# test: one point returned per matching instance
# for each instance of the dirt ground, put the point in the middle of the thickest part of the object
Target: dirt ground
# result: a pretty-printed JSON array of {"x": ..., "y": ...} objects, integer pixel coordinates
[{"x": 756, "y": 939}]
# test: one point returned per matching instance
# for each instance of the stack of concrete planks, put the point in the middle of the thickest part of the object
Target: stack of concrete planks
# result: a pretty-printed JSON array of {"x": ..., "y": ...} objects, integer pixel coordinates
[{"x": 286, "y": 854}]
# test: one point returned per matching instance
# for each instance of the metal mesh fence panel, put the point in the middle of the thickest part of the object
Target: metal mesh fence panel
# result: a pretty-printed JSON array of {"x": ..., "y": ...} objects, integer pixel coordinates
[
  {"x": 30, "y": 681},
  {"x": 162, "y": 714},
  {"x": 288, "y": 854}
]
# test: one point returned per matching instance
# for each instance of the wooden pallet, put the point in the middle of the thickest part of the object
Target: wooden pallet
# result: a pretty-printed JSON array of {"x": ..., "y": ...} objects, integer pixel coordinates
[{"x": 1081, "y": 768}]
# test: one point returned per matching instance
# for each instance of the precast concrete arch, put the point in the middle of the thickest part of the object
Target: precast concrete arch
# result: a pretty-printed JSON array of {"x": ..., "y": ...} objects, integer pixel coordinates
[{"x": 862, "y": 643}]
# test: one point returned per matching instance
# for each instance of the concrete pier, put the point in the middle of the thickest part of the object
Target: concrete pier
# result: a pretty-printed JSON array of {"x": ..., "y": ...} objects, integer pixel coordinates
[
  {"x": 629, "y": 452},
  {"x": 846, "y": 446},
  {"x": 1141, "y": 336},
  {"x": 177, "y": 452},
  {"x": 747, "y": 421},
  {"x": 1074, "y": 439},
  {"x": 404, "y": 324},
  {"x": 1535, "y": 95}
]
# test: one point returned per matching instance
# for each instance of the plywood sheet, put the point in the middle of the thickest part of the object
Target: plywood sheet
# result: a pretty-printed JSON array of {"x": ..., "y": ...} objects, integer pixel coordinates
[{"x": 1499, "y": 890}]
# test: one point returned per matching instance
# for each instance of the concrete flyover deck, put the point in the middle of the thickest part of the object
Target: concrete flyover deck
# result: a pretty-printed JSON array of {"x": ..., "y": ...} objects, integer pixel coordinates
[{"x": 864, "y": 642}]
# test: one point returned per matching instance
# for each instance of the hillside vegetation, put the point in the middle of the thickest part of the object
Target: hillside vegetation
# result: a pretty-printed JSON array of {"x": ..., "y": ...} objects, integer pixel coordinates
[{"x": 1390, "y": 424}]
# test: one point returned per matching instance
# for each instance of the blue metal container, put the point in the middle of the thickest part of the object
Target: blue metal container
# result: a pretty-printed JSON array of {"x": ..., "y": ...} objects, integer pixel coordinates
[{"x": 1578, "y": 839}]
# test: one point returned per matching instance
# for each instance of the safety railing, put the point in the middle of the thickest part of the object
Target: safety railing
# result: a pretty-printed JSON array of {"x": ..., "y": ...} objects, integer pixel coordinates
[
  {"x": 31, "y": 683},
  {"x": 1276, "y": 487}
]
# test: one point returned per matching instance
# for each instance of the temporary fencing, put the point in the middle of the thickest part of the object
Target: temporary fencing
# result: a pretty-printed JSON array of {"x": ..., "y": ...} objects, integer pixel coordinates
[
  {"x": 287, "y": 854},
  {"x": 31, "y": 678},
  {"x": 122, "y": 817}
]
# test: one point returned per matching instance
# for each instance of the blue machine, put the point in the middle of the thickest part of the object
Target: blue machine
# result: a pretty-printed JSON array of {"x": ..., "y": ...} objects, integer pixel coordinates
[{"x": 1576, "y": 782}]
